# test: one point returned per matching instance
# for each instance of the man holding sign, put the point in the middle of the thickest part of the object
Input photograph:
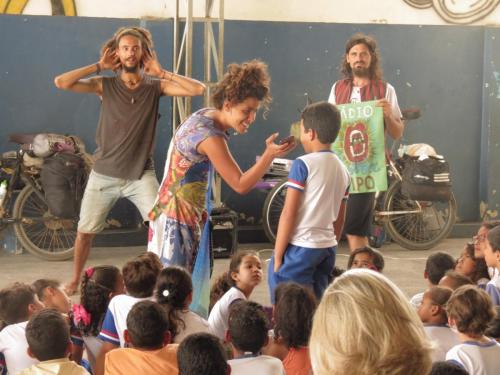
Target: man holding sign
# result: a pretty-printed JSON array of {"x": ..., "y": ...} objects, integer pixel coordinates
[{"x": 363, "y": 83}]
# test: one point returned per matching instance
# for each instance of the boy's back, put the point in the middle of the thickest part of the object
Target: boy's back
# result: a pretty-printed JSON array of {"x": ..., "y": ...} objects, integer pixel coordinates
[
  {"x": 143, "y": 362},
  {"x": 324, "y": 181},
  {"x": 13, "y": 345},
  {"x": 445, "y": 339},
  {"x": 477, "y": 358},
  {"x": 252, "y": 365}
]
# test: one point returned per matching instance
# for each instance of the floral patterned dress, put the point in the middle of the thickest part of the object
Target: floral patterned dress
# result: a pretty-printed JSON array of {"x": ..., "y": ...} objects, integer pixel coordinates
[{"x": 180, "y": 211}]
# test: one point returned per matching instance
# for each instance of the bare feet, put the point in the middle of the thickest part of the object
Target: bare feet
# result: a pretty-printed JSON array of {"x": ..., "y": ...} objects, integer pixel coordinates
[{"x": 71, "y": 288}]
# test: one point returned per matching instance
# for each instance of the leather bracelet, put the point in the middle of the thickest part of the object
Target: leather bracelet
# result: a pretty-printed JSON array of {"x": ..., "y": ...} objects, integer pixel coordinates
[{"x": 97, "y": 69}]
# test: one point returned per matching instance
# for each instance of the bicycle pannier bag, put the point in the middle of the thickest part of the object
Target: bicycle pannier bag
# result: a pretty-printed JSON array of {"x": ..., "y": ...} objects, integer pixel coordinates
[
  {"x": 63, "y": 180},
  {"x": 426, "y": 179}
]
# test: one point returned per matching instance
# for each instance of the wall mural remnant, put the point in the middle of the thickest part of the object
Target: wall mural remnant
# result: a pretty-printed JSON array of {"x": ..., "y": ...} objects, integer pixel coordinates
[
  {"x": 59, "y": 7},
  {"x": 458, "y": 11}
]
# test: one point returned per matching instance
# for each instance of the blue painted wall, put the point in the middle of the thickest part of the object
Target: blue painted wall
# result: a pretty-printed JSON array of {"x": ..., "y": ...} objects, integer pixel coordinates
[{"x": 438, "y": 68}]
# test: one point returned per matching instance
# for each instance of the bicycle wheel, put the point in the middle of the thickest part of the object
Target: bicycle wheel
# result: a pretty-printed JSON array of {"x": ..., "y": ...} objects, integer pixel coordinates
[
  {"x": 271, "y": 212},
  {"x": 40, "y": 233},
  {"x": 417, "y": 225}
]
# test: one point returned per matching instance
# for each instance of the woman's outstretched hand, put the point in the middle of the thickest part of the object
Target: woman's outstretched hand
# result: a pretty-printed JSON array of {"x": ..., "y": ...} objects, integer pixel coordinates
[{"x": 275, "y": 150}]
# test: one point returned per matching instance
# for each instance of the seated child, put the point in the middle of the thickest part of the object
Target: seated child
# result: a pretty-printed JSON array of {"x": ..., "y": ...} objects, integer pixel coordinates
[
  {"x": 174, "y": 291},
  {"x": 293, "y": 315},
  {"x": 432, "y": 313},
  {"x": 98, "y": 286},
  {"x": 470, "y": 311},
  {"x": 245, "y": 273},
  {"x": 366, "y": 257},
  {"x": 447, "y": 368},
  {"x": 248, "y": 335},
  {"x": 51, "y": 293},
  {"x": 435, "y": 267},
  {"x": 454, "y": 280},
  {"x": 202, "y": 353},
  {"x": 47, "y": 334},
  {"x": 313, "y": 213},
  {"x": 493, "y": 329},
  {"x": 472, "y": 267},
  {"x": 139, "y": 277},
  {"x": 492, "y": 257},
  {"x": 149, "y": 350},
  {"x": 18, "y": 303}
]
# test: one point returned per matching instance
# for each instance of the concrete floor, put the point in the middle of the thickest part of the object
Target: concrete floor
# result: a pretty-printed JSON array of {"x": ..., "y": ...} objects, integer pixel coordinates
[{"x": 404, "y": 267}]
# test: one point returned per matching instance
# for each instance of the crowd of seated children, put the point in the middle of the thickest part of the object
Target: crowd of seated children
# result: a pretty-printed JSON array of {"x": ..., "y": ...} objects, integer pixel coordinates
[
  {"x": 148, "y": 350},
  {"x": 202, "y": 353},
  {"x": 472, "y": 267},
  {"x": 248, "y": 334},
  {"x": 436, "y": 266},
  {"x": 292, "y": 314},
  {"x": 365, "y": 325},
  {"x": 245, "y": 273},
  {"x": 98, "y": 286},
  {"x": 174, "y": 291},
  {"x": 139, "y": 276},
  {"x": 492, "y": 257},
  {"x": 432, "y": 313},
  {"x": 454, "y": 280},
  {"x": 47, "y": 333},
  {"x": 18, "y": 302},
  {"x": 470, "y": 311}
]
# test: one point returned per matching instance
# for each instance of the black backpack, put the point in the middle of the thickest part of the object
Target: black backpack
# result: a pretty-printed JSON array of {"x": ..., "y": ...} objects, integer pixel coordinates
[
  {"x": 427, "y": 179},
  {"x": 63, "y": 180}
]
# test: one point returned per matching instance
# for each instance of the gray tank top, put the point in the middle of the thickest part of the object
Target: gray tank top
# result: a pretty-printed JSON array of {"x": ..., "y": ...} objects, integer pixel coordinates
[{"x": 126, "y": 132}]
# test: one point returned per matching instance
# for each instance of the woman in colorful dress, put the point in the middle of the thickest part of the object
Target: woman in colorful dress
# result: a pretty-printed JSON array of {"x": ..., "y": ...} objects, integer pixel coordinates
[{"x": 199, "y": 146}]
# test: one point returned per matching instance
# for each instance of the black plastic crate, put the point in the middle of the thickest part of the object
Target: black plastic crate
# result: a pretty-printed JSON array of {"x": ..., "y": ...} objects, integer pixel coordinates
[{"x": 224, "y": 232}]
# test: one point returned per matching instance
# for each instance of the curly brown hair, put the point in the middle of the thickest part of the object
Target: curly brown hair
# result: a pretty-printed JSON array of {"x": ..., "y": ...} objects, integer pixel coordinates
[
  {"x": 247, "y": 80},
  {"x": 375, "y": 71},
  {"x": 472, "y": 310}
]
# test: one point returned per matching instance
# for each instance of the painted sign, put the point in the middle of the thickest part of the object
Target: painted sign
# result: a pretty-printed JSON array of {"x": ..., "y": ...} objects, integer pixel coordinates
[{"x": 361, "y": 146}]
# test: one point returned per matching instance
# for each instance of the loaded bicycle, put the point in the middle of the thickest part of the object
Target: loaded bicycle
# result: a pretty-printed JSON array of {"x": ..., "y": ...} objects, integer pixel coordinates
[{"x": 415, "y": 224}]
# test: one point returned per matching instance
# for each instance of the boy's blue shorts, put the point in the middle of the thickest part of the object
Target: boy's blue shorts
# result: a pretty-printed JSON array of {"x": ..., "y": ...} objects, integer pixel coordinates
[{"x": 305, "y": 266}]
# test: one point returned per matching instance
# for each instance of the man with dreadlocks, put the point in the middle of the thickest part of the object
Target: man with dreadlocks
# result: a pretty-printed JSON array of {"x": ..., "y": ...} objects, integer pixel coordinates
[
  {"x": 363, "y": 82},
  {"x": 125, "y": 135}
]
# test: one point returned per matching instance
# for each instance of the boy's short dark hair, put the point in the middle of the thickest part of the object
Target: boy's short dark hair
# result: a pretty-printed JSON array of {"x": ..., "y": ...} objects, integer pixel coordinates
[
  {"x": 41, "y": 284},
  {"x": 472, "y": 310},
  {"x": 494, "y": 238},
  {"x": 324, "y": 118},
  {"x": 447, "y": 368},
  {"x": 493, "y": 329},
  {"x": 248, "y": 326},
  {"x": 437, "y": 264},
  {"x": 139, "y": 276},
  {"x": 377, "y": 257},
  {"x": 456, "y": 279},
  {"x": 293, "y": 314},
  {"x": 47, "y": 334},
  {"x": 147, "y": 323},
  {"x": 201, "y": 353},
  {"x": 15, "y": 301}
]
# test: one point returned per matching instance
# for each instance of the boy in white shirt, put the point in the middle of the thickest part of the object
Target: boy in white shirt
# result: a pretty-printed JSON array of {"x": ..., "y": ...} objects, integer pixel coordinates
[
  {"x": 432, "y": 312},
  {"x": 470, "y": 310},
  {"x": 248, "y": 334},
  {"x": 313, "y": 214},
  {"x": 18, "y": 303}
]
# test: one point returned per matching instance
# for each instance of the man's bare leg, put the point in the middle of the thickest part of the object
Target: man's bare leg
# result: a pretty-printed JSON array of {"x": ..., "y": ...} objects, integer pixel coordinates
[
  {"x": 83, "y": 244},
  {"x": 356, "y": 242}
]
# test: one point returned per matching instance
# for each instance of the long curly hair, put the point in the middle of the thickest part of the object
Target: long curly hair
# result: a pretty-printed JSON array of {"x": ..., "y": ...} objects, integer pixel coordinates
[
  {"x": 375, "y": 70},
  {"x": 247, "y": 80},
  {"x": 172, "y": 290},
  {"x": 97, "y": 287}
]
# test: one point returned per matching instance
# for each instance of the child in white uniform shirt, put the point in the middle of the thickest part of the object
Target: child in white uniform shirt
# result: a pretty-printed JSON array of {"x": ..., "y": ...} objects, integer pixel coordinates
[
  {"x": 174, "y": 291},
  {"x": 432, "y": 312},
  {"x": 247, "y": 334},
  {"x": 17, "y": 304},
  {"x": 470, "y": 310},
  {"x": 245, "y": 273}
]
